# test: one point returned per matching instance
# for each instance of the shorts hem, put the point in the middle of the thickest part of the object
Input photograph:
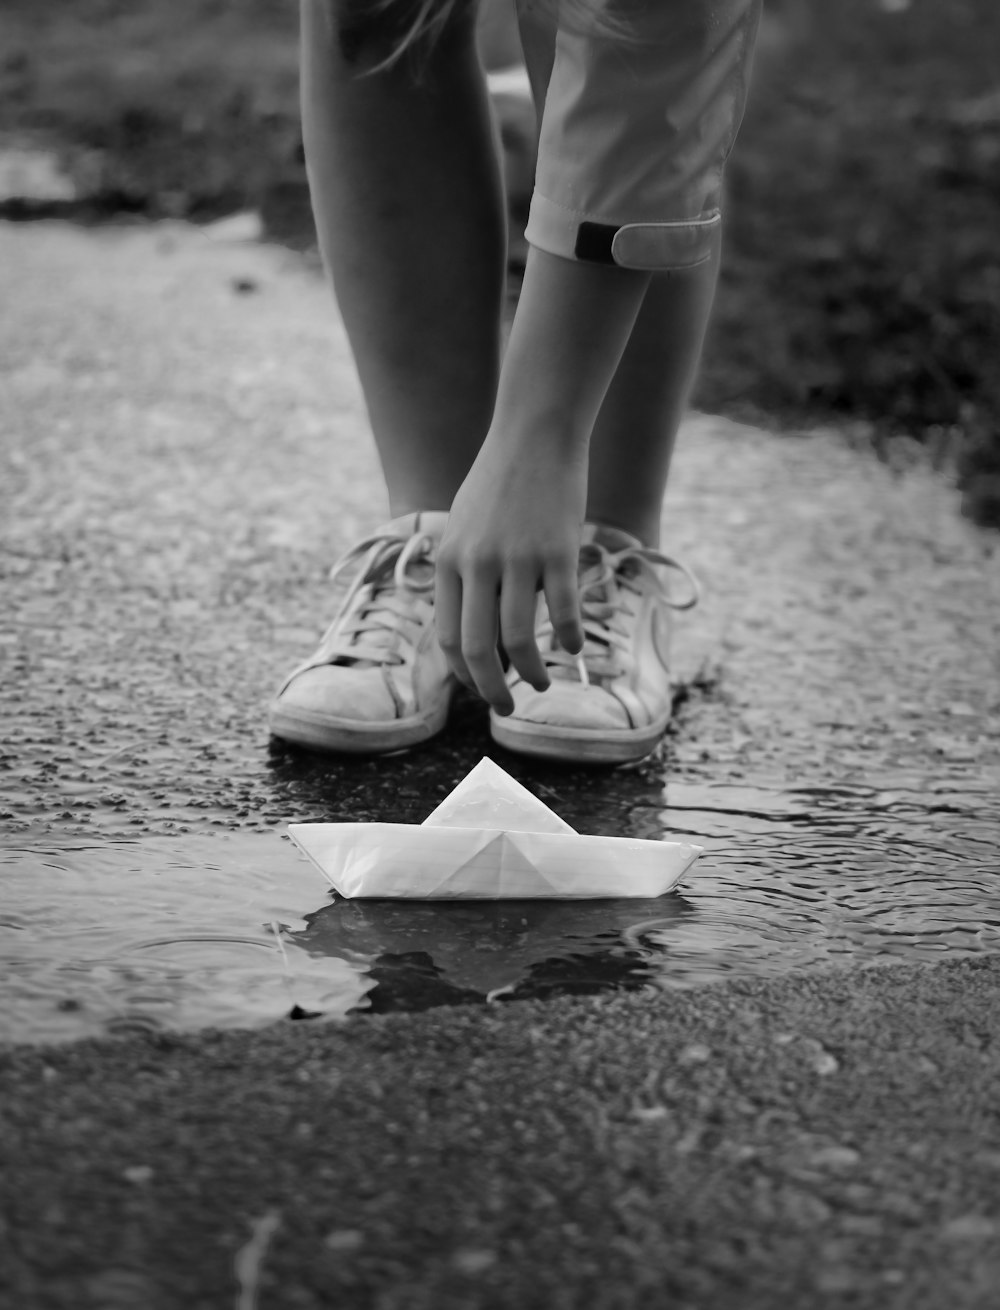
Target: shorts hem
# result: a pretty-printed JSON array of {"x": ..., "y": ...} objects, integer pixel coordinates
[{"x": 651, "y": 246}]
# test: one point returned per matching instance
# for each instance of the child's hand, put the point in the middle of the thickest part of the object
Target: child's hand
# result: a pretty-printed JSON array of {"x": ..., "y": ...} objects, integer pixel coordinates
[
  {"x": 514, "y": 529},
  {"x": 515, "y": 525}
]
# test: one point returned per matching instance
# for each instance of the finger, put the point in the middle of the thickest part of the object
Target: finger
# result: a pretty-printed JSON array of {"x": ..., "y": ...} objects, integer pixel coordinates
[
  {"x": 562, "y": 596},
  {"x": 448, "y": 621},
  {"x": 479, "y": 638},
  {"x": 518, "y": 613}
]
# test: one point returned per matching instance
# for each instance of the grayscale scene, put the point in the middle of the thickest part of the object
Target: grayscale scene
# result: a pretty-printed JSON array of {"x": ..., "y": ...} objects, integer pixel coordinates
[{"x": 500, "y": 629}]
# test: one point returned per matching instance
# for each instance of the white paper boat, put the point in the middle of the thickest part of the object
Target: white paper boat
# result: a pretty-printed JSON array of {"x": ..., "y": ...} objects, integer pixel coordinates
[{"x": 490, "y": 839}]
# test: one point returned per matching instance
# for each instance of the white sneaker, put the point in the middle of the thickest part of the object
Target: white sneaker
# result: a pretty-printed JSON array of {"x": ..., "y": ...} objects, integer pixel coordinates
[
  {"x": 612, "y": 703},
  {"x": 378, "y": 681}
]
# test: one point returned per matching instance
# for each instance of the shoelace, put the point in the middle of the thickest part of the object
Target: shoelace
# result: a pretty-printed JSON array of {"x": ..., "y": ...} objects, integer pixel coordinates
[
  {"x": 378, "y": 610},
  {"x": 602, "y": 609}
]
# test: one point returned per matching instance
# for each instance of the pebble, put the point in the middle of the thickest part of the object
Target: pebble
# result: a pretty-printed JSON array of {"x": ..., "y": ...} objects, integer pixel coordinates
[
  {"x": 344, "y": 1240},
  {"x": 473, "y": 1261},
  {"x": 971, "y": 1228}
]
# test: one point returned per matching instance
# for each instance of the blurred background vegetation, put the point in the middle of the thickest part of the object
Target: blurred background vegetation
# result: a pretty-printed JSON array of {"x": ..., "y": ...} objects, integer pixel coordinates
[{"x": 862, "y": 278}]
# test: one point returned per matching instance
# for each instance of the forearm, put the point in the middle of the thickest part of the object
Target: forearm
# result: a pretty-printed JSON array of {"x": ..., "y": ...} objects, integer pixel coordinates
[{"x": 571, "y": 328}]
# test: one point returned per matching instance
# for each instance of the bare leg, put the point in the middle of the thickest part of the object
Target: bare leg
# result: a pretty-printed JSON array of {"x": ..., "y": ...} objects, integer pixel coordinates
[
  {"x": 633, "y": 438},
  {"x": 409, "y": 210}
]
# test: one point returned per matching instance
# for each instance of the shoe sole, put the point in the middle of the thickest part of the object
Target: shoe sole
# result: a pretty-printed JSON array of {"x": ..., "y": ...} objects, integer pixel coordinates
[
  {"x": 577, "y": 745},
  {"x": 351, "y": 737}
]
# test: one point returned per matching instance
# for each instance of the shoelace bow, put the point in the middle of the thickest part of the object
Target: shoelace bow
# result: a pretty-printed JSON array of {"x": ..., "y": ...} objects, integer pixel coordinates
[
  {"x": 378, "y": 610},
  {"x": 603, "y": 606}
]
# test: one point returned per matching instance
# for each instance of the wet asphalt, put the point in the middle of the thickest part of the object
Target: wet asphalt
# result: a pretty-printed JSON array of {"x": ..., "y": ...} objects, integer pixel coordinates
[{"x": 183, "y": 455}]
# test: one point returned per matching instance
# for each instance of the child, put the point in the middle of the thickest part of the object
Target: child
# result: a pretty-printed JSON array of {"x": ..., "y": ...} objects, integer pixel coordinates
[{"x": 545, "y": 475}]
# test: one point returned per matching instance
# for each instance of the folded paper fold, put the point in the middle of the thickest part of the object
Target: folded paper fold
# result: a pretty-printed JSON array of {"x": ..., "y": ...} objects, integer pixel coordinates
[
  {"x": 487, "y": 797},
  {"x": 479, "y": 845}
]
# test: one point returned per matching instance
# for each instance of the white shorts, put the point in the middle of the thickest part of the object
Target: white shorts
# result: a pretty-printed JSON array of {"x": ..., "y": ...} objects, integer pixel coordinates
[{"x": 635, "y": 130}]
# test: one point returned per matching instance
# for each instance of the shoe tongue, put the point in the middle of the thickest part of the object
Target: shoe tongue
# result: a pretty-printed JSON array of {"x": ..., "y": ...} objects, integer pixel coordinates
[
  {"x": 600, "y": 534},
  {"x": 430, "y": 521},
  {"x": 590, "y": 572},
  {"x": 383, "y": 567},
  {"x": 613, "y": 540},
  {"x": 420, "y": 568}
]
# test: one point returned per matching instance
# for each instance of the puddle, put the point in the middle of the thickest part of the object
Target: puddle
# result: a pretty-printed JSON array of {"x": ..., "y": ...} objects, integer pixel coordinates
[
  {"x": 188, "y": 931},
  {"x": 163, "y": 933}
]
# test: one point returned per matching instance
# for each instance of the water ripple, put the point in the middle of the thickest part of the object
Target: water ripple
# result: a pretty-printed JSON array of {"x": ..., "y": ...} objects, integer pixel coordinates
[{"x": 236, "y": 930}]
